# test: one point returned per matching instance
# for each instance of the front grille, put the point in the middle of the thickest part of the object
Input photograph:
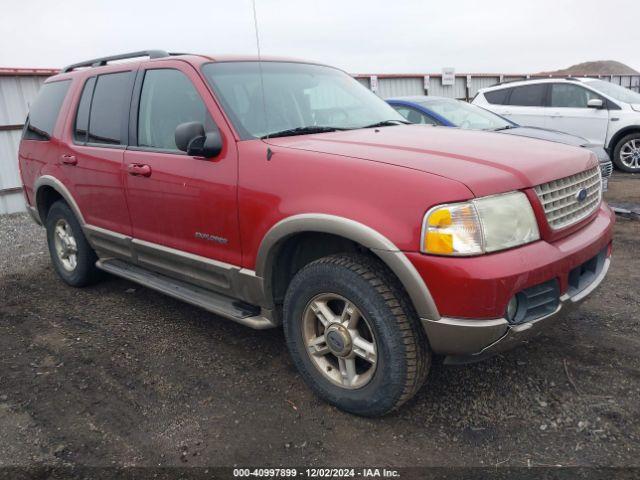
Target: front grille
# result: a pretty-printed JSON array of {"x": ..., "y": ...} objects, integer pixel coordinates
[
  {"x": 606, "y": 169},
  {"x": 560, "y": 198}
]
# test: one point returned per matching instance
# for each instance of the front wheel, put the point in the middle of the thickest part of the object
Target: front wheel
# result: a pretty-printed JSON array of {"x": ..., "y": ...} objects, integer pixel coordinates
[
  {"x": 626, "y": 154},
  {"x": 353, "y": 335}
]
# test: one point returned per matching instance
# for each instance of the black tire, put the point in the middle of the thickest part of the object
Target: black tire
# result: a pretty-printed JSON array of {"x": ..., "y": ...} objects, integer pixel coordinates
[
  {"x": 618, "y": 149},
  {"x": 85, "y": 271},
  {"x": 403, "y": 354}
]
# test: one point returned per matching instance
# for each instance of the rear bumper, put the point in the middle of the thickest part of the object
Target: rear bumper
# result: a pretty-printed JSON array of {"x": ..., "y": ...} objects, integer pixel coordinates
[{"x": 466, "y": 341}]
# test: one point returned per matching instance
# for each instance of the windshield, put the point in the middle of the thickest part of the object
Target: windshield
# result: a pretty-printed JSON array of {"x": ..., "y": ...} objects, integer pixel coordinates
[
  {"x": 299, "y": 98},
  {"x": 614, "y": 91},
  {"x": 466, "y": 116}
]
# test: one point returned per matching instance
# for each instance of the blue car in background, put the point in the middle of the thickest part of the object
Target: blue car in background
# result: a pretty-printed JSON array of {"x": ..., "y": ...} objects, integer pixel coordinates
[{"x": 449, "y": 112}]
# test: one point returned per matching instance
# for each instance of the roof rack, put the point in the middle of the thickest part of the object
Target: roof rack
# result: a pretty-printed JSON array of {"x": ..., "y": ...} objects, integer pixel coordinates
[{"x": 100, "y": 62}]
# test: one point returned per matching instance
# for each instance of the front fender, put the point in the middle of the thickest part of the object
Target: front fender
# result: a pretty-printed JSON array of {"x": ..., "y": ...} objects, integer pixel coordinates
[{"x": 357, "y": 232}]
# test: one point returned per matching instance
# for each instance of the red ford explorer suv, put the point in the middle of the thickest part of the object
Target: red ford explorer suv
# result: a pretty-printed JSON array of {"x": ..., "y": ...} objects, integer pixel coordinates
[{"x": 280, "y": 192}]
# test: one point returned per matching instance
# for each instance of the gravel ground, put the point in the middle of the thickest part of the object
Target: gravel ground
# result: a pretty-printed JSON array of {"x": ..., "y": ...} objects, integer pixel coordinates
[{"x": 117, "y": 374}]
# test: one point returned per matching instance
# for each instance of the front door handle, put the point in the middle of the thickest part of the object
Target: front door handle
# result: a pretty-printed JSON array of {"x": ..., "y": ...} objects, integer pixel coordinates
[
  {"x": 68, "y": 159},
  {"x": 139, "y": 170}
]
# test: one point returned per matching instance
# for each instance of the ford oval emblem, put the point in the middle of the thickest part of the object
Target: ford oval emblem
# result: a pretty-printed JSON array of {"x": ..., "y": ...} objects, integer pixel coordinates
[{"x": 581, "y": 195}]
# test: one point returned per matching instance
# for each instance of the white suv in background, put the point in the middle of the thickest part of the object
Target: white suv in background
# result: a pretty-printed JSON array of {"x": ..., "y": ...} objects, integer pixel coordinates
[{"x": 604, "y": 113}]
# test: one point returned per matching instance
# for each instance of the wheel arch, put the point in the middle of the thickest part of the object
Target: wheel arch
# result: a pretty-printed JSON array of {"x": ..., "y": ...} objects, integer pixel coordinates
[
  {"x": 352, "y": 231},
  {"x": 47, "y": 189},
  {"x": 613, "y": 143}
]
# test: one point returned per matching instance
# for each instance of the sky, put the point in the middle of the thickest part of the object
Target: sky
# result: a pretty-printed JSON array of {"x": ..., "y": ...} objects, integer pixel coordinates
[{"x": 360, "y": 36}]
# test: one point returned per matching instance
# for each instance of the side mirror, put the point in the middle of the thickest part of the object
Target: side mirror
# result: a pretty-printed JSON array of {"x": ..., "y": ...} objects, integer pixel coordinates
[
  {"x": 595, "y": 103},
  {"x": 191, "y": 138}
]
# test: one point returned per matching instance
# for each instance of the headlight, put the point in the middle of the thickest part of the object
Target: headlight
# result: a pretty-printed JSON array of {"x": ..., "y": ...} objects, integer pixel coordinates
[{"x": 482, "y": 225}]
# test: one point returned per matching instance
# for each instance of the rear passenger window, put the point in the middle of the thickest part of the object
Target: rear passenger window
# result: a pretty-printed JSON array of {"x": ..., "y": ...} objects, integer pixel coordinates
[
  {"x": 82, "y": 115},
  {"x": 45, "y": 109},
  {"x": 497, "y": 97},
  {"x": 168, "y": 98},
  {"x": 528, "y": 95},
  {"x": 110, "y": 109}
]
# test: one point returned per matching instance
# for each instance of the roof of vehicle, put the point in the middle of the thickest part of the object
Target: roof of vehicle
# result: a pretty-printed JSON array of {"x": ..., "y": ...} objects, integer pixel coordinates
[
  {"x": 161, "y": 55},
  {"x": 420, "y": 98},
  {"x": 517, "y": 83}
]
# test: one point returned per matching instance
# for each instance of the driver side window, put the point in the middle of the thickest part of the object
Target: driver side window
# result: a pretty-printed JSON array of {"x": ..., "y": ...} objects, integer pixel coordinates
[
  {"x": 570, "y": 96},
  {"x": 168, "y": 98}
]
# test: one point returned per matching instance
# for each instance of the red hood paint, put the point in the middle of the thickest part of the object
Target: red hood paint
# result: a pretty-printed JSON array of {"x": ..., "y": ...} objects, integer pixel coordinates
[{"x": 486, "y": 162}]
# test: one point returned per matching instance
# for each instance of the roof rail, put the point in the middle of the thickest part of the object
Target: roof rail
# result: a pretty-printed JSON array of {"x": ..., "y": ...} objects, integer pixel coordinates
[
  {"x": 99, "y": 62},
  {"x": 505, "y": 82}
]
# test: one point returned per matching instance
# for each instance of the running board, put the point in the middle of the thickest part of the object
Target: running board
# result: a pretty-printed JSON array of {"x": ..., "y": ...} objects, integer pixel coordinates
[{"x": 213, "y": 302}]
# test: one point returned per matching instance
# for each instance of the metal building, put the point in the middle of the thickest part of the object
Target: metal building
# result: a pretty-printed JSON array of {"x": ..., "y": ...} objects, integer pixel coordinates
[
  {"x": 18, "y": 88},
  {"x": 465, "y": 85}
]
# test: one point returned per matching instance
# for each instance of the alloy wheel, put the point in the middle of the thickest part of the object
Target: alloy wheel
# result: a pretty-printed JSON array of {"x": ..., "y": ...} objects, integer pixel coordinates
[
  {"x": 630, "y": 153},
  {"x": 339, "y": 341},
  {"x": 65, "y": 245}
]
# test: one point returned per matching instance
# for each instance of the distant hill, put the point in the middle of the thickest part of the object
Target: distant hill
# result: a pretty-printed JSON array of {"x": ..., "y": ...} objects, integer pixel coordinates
[{"x": 602, "y": 67}]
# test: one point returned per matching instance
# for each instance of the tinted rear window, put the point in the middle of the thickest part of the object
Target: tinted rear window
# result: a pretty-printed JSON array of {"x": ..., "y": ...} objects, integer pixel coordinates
[
  {"x": 45, "y": 110},
  {"x": 82, "y": 115},
  {"x": 110, "y": 109},
  {"x": 528, "y": 95},
  {"x": 497, "y": 97}
]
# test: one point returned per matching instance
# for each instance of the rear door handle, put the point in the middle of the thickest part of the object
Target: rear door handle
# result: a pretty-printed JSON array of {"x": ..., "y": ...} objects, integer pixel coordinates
[
  {"x": 68, "y": 159},
  {"x": 139, "y": 170}
]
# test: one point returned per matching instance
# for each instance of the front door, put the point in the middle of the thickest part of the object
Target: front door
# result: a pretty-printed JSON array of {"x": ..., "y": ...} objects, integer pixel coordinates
[
  {"x": 182, "y": 207},
  {"x": 569, "y": 113}
]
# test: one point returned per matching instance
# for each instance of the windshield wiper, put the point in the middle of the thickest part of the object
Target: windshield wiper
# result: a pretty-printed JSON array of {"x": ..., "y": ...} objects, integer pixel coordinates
[
  {"x": 301, "y": 131},
  {"x": 506, "y": 127},
  {"x": 387, "y": 123}
]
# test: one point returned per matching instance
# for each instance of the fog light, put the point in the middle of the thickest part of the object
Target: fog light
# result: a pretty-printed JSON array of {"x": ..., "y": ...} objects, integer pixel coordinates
[{"x": 512, "y": 308}]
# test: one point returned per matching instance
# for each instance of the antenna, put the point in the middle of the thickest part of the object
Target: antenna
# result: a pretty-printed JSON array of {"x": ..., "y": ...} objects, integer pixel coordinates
[{"x": 264, "y": 101}]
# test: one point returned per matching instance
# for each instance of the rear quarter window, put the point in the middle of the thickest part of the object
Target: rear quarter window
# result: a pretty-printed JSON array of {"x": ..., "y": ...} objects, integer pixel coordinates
[{"x": 45, "y": 110}]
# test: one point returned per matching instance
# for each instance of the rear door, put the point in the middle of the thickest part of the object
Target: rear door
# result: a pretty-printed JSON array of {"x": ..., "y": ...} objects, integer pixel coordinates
[
  {"x": 186, "y": 203},
  {"x": 525, "y": 105},
  {"x": 93, "y": 151},
  {"x": 569, "y": 113}
]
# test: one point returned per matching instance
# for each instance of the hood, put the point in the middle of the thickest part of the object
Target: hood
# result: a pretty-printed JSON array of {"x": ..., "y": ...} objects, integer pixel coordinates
[
  {"x": 545, "y": 134},
  {"x": 486, "y": 162},
  {"x": 560, "y": 137}
]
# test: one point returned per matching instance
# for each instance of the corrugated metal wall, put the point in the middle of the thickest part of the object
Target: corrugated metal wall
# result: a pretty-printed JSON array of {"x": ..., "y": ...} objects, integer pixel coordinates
[
  {"x": 17, "y": 91},
  {"x": 19, "y": 87},
  {"x": 466, "y": 85}
]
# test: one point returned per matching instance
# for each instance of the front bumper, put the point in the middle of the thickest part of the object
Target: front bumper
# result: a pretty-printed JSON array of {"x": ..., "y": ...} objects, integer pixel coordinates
[
  {"x": 472, "y": 293},
  {"x": 466, "y": 341}
]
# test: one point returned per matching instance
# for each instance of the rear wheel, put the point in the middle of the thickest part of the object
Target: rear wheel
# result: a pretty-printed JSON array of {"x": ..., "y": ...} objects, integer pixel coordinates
[
  {"x": 353, "y": 335},
  {"x": 72, "y": 257},
  {"x": 626, "y": 154}
]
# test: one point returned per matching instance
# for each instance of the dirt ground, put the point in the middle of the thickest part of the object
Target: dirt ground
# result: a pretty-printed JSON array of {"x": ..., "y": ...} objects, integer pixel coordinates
[{"x": 117, "y": 374}]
